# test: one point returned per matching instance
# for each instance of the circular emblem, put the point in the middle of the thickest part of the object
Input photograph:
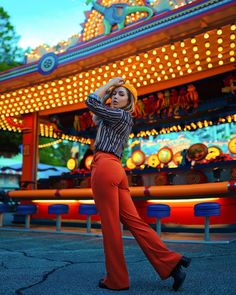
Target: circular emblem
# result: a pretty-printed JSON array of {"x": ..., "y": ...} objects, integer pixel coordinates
[
  {"x": 48, "y": 63},
  {"x": 177, "y": 158},
  {"x": 213, "y": 152},
  {"x": 72, "y": 164},
  {"x": 197, "y": 151},
  {"x": 153, "y": 161},
  {"x": 129, "y": 164},
  {"x": 88, "y": 162},
  {"x": 232, "y": 145},
  {"x": 165, "y": 155},
  {"x": 138, "y": 157}
]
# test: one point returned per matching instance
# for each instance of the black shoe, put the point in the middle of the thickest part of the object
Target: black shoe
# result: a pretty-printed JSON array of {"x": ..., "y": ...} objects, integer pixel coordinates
[
  {"x": 185, "y": 261},
  {"x": 102, "y": 285},
  {"x": 179, "y": 277}
]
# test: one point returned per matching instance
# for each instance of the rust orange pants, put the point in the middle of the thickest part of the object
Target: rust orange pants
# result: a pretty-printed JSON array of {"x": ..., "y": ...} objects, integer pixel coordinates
[{"x": 114, "y": 203}]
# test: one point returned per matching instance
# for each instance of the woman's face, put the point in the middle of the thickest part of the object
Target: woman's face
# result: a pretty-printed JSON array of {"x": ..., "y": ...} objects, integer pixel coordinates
[{"x": 119, "y": 98}]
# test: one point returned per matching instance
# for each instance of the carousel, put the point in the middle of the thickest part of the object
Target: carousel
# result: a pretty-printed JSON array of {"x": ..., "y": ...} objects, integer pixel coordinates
[{"x": 180, "y": 55}]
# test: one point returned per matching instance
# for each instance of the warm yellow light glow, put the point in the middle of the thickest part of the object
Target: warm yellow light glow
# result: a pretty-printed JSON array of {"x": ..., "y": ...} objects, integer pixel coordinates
[
  {"x": 182, "y": 200},
  {"x": 55, "y": 201}
]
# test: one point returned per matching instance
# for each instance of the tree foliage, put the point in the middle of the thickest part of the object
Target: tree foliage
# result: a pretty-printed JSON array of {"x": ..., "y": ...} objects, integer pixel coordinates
[
  {"x": 10, "y": 143},
  {"x": 56, "y": 155},
  {"x": 10, "y": 54}
]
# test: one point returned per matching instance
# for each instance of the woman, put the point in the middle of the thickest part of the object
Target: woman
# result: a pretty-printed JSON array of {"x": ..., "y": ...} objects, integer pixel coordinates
[{"x": 111, "y": 192}]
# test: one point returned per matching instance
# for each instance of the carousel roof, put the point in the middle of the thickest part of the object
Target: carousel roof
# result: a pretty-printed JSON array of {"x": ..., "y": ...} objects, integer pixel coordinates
[{"x": 171, "y": 48}]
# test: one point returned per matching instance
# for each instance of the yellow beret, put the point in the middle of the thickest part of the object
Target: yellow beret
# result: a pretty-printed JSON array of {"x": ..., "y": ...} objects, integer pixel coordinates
[{"x": 132, "y": 89}]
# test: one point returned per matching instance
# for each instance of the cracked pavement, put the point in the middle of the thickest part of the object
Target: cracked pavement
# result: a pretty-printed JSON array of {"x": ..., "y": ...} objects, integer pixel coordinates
[{"x": 55, "y": 264}]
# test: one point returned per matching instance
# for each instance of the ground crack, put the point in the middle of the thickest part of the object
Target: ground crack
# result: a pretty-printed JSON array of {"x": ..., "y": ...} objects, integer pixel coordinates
[{"x": 44, "y": 278}]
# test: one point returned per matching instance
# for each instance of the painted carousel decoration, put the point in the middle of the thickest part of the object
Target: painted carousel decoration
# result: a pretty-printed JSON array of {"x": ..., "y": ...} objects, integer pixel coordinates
[{"x": 138, "y": 157}]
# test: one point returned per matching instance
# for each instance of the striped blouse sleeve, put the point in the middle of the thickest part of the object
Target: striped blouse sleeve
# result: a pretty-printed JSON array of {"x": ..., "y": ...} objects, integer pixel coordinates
[{"x": 108, "y": 114}]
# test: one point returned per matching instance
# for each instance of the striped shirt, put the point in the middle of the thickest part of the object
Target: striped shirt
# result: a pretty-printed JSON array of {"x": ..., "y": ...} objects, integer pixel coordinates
[{"x": 114, "y": 126}]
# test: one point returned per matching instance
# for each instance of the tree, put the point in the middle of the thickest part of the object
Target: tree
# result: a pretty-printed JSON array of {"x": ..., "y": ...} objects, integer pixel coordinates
[
  {"x": 10, "y": 143},
  {"x": 10, "y": 54},
  {"x": 55, "y": 155}
]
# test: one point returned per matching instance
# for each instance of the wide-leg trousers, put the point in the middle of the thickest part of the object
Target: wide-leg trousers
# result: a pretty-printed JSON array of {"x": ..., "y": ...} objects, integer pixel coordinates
[{"x": 113, "y": 201}]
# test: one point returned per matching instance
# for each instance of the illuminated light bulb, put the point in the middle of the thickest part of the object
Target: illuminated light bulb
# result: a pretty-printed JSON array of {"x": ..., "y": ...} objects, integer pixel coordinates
[
  {"x": 171, "y": 70},
  {"x": 206, "y": 35},
  {"x": 193, "y": 41},
  {"x": 155, "y": 74},
  {"x": 100, "y": 70},
  {"x": 231, "y": 53},
  {"x": 160, "y": 66},
  {"x": 185, "y": 59},
  {"x": 187, "y": 66},
  {"x": 177, "y": 61},
  {"x": 232, "y": 37},
  {"x": 207, "y": 44},
  {"x": 159, "y": 79},
  {"x": 208, "y": 52},
  {"x": 196, "y": 56},
  {"x": 138, "y": 84},
  {"x": 220, "y": 62},
  {"x": 166, "y": 57},
  {"x": 179, "y": 68},
  {"x": 149, "y": 62},
  {"x": 141, "y": 65},
  {"x": 163, "y": 72},
  {"x": 199, "y": 68},
  {"x": 133, "y": 67},
  {"x": 172, "y": 47},
  {"x": 137, "y": 58},
  {"x": 220, "y": 55},
  {"x": 189, "y": 71},
  {"x": 233, "y": 27},
  {"x": 181, "y": 73},
  {"x": 182, "y": 44},
  {"x": 175, "y": 54},
  {"x": 184, "y": 51},
  {"x": 122, "y": 63},
  {"x": 208, "y": 59},
  {"x": 145, "y": 55},
  {"x": 173, "y": 75},
  {"x": 232, "y": 59},
  {"x": 220, "y": 48},
  {"x": 158, "y": 59},
  {"x": 195, "y": 48},
  {"x": 232, "y": 45},
  {"x": 154, "y": 52},
  {"x": 166, "y": 77},
  {"x": 220, "y": 41},
  {"x": 169, "y": 64},
  {"x": 163, "y": 49},
  {"x": 107, "y": 68},
  {"x": 210, "y": 65}
]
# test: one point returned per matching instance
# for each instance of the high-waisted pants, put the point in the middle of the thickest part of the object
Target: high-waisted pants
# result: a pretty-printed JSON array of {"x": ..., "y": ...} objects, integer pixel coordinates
[{"x": 114, "y": 203}]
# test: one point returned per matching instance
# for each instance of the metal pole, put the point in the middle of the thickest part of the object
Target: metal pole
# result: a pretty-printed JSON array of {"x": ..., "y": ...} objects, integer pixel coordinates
[
  {"x": 88, "y": 223},
  {"x": 27, "y": 221},
  {"x": 158, "y": 226},
  {"x": 1, "y": 219},
  {"x": 207, "y": 223},
  {"x": 58, "y": 222}
]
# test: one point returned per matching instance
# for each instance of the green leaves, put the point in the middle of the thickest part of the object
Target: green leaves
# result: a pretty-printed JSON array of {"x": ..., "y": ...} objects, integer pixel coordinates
[{"x": 10, "y": 54}]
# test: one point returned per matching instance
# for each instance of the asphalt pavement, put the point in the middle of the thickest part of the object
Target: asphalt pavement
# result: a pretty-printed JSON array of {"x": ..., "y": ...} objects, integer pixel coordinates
[{"x": 41, "y": 263}]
